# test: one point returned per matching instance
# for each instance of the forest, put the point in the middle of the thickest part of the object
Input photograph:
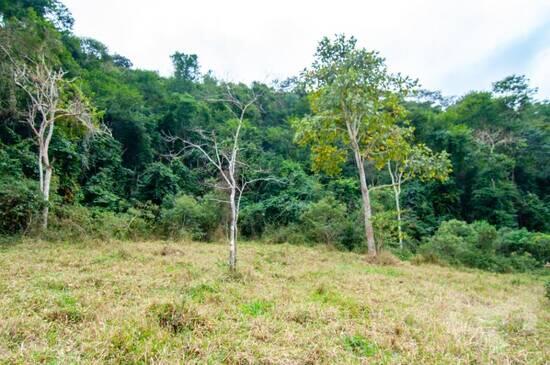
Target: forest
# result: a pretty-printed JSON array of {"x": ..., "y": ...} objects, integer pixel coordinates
[
  {"x": 474, "y": 168},
  {"x": 125, "y": 197}
]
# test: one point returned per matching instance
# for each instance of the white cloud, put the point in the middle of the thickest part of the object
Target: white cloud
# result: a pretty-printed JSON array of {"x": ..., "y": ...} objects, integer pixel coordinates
[
  {"x": 258, "y": 40},
  {"x": 540, "y": 71}
]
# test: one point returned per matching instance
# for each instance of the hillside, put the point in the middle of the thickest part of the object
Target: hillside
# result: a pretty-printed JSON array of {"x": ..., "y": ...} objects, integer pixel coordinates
[{"x": 165, "y": 303}]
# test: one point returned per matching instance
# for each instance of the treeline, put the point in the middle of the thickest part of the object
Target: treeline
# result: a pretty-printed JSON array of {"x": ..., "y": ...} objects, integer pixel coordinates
[{"x": 133, "y": 180}]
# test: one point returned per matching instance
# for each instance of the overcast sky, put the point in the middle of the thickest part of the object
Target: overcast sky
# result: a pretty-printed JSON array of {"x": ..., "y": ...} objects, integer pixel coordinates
[{"x": 450, "y": 45}]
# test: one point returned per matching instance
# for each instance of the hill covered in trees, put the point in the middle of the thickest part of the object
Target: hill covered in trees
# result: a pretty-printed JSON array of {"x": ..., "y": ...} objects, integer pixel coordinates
[{"x": 460, "y": 179}]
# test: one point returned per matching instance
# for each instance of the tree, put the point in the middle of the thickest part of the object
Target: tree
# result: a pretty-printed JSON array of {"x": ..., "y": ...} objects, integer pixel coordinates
[
  {"x": 52, "y": 98},
  {"x": 54, "y": 10},
  {"x": 514, "y": 91},
  {"x": 407, "y": 161},
  {"x": 224, "y": 155},
  {"x": 186, "y": 66},
  {"x": 356, "y": 102}
]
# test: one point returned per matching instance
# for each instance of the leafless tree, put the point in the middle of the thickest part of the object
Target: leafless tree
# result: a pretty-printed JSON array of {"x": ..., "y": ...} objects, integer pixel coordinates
[
  {"x": 51, "y": 98},
  {"x": 493, "y": 138},
  {"x": 225, "y": 157}
]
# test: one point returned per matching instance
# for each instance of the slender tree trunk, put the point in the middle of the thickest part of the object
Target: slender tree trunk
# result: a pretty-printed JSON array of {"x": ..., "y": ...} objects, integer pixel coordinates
[
  {"x": 46, "y": 194},
  {"x": 45, "y": 176},
  {"x": 367, "y": 212},
  {"x": 233, "y": 231},
  {"x": 398, "y": 209},
  {"x": 45, "y": 170}
]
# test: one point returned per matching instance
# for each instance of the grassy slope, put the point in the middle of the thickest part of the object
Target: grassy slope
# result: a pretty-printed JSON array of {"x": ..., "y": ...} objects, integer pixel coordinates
[{"x": 174, "y": 303}]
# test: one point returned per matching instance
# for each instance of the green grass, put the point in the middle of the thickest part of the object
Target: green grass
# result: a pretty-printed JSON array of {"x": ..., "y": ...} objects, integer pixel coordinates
[{"x": 170, "y": 303}]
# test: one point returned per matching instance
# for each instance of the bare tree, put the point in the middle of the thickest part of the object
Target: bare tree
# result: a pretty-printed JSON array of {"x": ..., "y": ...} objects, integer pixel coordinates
[
  {"x": 51, "y": 98},
  {"x": 225, "y": 157},
  {"x": 494, "y": 137}
]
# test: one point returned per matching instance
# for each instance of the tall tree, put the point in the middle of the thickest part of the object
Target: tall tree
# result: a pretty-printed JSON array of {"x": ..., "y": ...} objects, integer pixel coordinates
[
  {"x": 51, "y": 99},
  {"x": 224, "y": 155},
  {"x": 356, "y": 103},
  {"x": 186, "y": 66}
]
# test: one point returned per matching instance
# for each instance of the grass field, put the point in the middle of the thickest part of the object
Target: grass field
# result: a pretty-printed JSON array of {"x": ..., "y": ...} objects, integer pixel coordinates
[{"x": 153, "y": 302}]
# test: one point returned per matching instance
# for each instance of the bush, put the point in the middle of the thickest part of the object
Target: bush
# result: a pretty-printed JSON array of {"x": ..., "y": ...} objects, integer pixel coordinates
[
  {"x": 20, "y": 205},
  {"x": 75, "y": 222},
  {"x": 184, "y": 216},
  {"x": 291, "y": 233},
  {"x": 385, "y": 230},
  {"x": 521, "y": 241},
  {"x": 325, "y": 221},
  {"x": 486, "y": 236},
  {"x": 481, "y": 246}
]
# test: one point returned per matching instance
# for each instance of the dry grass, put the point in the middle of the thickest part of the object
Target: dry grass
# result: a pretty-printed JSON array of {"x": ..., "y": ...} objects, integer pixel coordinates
[{"x": 152, "y": 302}]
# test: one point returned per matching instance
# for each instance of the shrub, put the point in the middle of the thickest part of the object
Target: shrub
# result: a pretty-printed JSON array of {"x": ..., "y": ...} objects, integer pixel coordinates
[
  {"x": 385, "y": 229},
  {"x": 547, "y": 287},
  {"x": 480, "y": 245},
  {"x": 73, "y": 222},
  {"x": 185, "y": 216},
  {"x": 324, "y": 221},
  {"x": 20, "y": 204},
  {"x": 285, "y": 234},
  {"x": 486, "y": 236},
  {"x": 521, "y": 241}
]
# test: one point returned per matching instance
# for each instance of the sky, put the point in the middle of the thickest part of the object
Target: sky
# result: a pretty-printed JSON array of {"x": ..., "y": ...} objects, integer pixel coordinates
[{"x": 454, "y": 46}]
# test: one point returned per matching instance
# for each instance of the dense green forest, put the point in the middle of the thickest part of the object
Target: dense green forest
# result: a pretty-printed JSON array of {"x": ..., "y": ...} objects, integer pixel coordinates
[{"x": 127, "y": 172}]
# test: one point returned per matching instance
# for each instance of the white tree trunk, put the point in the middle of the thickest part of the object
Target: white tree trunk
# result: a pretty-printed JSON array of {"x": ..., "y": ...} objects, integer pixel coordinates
[
  {"x": 45, "y": 169},
  {"x": 398, "y": 209},
  {"x": 233, "y": 231},
  {"x": 367, "y": 211},
  {"x": 46, "y": 194},
  {"x": 396, "y": 180}
]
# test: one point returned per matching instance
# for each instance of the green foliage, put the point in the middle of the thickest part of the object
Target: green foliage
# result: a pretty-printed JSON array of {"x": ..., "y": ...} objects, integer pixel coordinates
[
  {"x": 482, "y": 156},
  {"x": 291, "y": 233},
  {"x": 350, "y": 90},
  {"x": 385, "y": 229},
  {"x": 157, "y": 182},
  {"x": 523, "y": 242},
  {"x": 324, "y": 221},
  {"x": 184, "y": 216},
  {"x": 360, "y": 345},
  {"x": 20, "y": 205},
  {"x": 75, "y": 222},
  {"x": 479, "y": 245},
  {"x": 257, "y": 308}
]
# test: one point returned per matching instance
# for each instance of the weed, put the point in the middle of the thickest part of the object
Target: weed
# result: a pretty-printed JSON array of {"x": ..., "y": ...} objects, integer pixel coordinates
[
  {"x": 360, "y": 346},
  {"x": 177, "y": 318},
  {"x": 201, "y": 292},
  {"x": 257, "y": 308},
  {"x": 345, "y": 304},
  {"x": 68, "y": 310}
]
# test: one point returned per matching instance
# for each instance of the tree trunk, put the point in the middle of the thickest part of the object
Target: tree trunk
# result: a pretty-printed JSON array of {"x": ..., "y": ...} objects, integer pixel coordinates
[
  {"x": 367, "y": 212},
  {"x": 398, "y": 209},
  {"x": 46, "y": 194},
  {"x": 233, "y": 231},
  {"x": 45, "y": 176}
]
